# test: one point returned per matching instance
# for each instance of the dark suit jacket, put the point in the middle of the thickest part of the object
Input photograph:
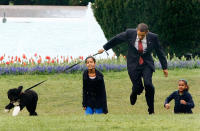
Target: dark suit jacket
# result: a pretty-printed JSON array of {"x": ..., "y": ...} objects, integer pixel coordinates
[
  {"x": 94, "y": 92},
  {"x": 133, "y": 55}
]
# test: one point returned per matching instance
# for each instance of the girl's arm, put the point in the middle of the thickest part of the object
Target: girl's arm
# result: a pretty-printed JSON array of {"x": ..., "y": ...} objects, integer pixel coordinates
[
  {"x": 84, "y": 95},
  {"x": 190, "y": 102},
  {"x": 104, "y": 98},
  {"x": 169, "y": 98}
]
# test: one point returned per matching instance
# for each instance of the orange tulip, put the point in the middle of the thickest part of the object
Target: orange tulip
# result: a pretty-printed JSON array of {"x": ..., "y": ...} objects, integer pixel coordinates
[{"x": 39, "y": 61}]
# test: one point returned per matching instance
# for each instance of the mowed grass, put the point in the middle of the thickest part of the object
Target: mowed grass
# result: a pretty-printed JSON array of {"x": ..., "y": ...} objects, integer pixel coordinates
[{"x": 59, "y": 106}]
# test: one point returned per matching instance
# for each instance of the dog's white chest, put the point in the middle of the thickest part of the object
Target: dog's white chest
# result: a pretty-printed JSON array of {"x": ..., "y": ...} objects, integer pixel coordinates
[
  {"x": 16, "y": 110},
  {"x": 16, "y": 103}
]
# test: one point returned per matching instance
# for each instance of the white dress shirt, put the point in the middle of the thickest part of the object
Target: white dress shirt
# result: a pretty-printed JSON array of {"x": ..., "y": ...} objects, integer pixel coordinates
[{"x": 144, "y": 43}]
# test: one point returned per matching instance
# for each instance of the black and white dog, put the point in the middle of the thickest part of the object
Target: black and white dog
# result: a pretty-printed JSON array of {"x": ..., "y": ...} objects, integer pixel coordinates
[{"x": 19, "y": 100}]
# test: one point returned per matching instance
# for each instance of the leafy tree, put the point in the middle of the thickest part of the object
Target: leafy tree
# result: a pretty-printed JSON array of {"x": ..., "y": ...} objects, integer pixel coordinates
[
  {"x": 4, "y": 2},
  {"x": 176, "y": 21},
  {"x": 22, "y": 2}
]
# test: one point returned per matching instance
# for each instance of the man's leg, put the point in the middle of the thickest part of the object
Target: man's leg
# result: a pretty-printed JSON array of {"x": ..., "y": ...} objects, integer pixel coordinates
[
  {"x": 137, "y": 87},
  {"x": 149, "y": 88}
]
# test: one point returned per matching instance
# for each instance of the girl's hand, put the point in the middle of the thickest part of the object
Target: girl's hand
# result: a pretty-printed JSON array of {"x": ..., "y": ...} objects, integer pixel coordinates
[
  {"x": 167, "y": 106},
  {"x": 183, "y": 102},
  {"x": 84, "y": 108}
]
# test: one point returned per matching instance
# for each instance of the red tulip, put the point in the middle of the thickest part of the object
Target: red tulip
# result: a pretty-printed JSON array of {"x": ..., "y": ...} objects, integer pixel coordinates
[
  {"x": 15, "y": 58},
  {"x": 1, "y": 58},
  {"x": 48, "y": 57},
  {"x": 33, "y": 60},
  {"x": 24, "y": 56},
  {"x": 35, "y": 54},
  {"x": 7, "y": 62},
  {"x": 39, "y": 61},
  {"x": 19, "y": 60},
  {"x": 67, "y": 60}
]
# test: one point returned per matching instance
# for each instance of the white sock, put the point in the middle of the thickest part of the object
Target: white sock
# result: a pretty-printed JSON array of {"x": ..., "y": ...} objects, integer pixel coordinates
[{"x": 16, "y": 111}]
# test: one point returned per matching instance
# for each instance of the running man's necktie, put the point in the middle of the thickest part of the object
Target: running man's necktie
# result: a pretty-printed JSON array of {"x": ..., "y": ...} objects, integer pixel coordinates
[{"x": 140, "y": 50}]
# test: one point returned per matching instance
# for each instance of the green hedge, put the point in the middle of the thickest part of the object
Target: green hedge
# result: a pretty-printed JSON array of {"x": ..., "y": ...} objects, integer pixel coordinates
[
  {"x": 176, "y": 21},
  {"x": 4, "y": 2}
]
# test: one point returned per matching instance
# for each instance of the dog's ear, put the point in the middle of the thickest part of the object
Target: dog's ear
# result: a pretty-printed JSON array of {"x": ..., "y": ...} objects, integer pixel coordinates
[{"x": 20, "y": 89}]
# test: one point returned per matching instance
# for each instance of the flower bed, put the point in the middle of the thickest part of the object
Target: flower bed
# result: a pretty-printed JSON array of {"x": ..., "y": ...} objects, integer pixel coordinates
[{"x": 47, "y": 65}]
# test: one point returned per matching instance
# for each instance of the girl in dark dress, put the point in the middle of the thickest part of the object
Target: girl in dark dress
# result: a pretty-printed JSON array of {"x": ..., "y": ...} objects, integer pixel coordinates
[
  {"x": 183, "y": 99},
  {"x": 94, "y": 93}
]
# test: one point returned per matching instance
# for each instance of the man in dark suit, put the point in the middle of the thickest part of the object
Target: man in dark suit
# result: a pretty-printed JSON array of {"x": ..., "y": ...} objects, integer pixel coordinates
[{"x": 140, "y": 63}]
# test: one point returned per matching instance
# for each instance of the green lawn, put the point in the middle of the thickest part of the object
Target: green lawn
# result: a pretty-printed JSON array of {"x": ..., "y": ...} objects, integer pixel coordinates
[{"x": 59, "y": 105}]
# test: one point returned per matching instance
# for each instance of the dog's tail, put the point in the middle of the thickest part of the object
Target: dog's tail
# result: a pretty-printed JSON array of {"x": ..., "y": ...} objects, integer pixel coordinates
[{"x": 35, "y": 85}]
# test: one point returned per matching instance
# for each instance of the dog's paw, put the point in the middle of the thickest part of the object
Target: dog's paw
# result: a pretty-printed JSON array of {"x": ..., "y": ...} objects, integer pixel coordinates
[
  {"x": 6, "y": 110},
  {"x": 16, "y": 111}
]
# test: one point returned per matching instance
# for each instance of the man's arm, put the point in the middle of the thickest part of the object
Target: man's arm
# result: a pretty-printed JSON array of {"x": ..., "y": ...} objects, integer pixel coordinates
[
  {"x": 161, "y": 56},
  {"x": 122, "y": 37}
]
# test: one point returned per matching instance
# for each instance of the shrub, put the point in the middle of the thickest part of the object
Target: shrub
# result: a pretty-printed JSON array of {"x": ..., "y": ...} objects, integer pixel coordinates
[{"x": 176, "y": 21}]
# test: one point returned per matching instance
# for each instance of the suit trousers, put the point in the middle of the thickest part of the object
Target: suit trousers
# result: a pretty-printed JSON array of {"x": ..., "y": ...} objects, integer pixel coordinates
[{"x": 145, "y": 72}]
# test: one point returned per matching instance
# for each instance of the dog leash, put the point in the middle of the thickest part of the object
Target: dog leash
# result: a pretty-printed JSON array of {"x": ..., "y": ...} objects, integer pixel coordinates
[
  {"x": 82, "y": 61},
  {"x": 36, "y": 85},
  {"x": 64, "y": 70}
]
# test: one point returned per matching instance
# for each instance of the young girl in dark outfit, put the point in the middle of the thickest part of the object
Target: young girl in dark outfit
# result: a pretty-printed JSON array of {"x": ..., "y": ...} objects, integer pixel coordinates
[
  {"x": 183, "y": 99},
  {"x": 94, "y": 93}
]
